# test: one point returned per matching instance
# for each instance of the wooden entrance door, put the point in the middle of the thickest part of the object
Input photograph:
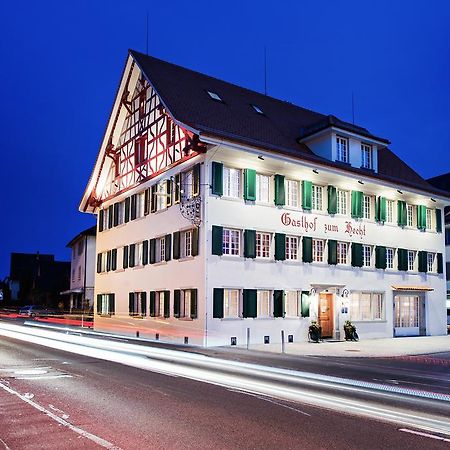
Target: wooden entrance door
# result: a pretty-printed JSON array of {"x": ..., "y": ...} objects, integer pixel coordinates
[{"x": 326, "y": 314}]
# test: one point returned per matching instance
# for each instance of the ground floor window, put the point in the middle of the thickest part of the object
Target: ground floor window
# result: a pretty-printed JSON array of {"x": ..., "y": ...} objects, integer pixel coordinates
[
  {"x": 366, "y": 306},
  {"x": 292, "y": 303},
  {"x": 105, "y": 304},
  {"x": 263, "y": 304},
  {"x": 406, "y": 311},
  {"x": 185, "y": 303},
  {"x": 231, "y": 303},
  {"x": 137, "y": 304}
]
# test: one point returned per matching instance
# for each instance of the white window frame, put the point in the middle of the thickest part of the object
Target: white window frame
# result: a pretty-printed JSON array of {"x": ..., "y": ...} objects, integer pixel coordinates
[
  {"x": 367, "y": 306},
  {"x": 231, "y": 182},
  {"x": 161, "y": 196},
  {"x": 159, "y": 303},
  {"x": 262, "y": 188},
  {"x": 105, "y": 309},
  {"x": 263, "y": 241},
  {"x": 137, "y": 301},
  {"x": 342, "y": 202},
  {"x": 186, "y": 244},
  {"x": 263, "y": 303},
  {"x": 390, "y": 211},
  {"x": 231, "y": 303},
  {"x": 367, "y": 207},
  {"x": 231, "y": 242},
  {"x": 161, "y": 249},
  {"x": 429, "y": 218},
  {"x": 430, "y": 261},
  {"x": 412, "y": 260},
  {"x": 185, "y": 303},
  {"x": 342, "y": 149},
  {"x": 411, "y": 213},
  {"x": 366, "y": 156},
  {"x": 367, "y": 255},
  {"x": 318, "y": 250},
  {"x": 342, "y": 253},
  {"x": 292, "y": 303},
  {"x": 292, "y": 246},
  {"x": 390, "y": 254},
  {"x": 292, "y": 193},
  {"x": 316, "y": 197},
  {"x": 187, "y": 184}
]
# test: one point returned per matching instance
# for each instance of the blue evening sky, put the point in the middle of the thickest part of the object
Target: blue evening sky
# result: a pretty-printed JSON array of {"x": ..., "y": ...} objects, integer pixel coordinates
[{"x": 61, "y": 62}]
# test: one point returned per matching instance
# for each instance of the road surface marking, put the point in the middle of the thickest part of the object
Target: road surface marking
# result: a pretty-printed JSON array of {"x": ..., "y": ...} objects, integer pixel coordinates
[
  {"x": 30, "y": 372},
  {"x": 44, "y": 377},
  {"x": 278, "y": 403},
  {"x": 431, "y": 436},
  {"x": 98, "y": 440},
  {"x": 4, "y": 443}
]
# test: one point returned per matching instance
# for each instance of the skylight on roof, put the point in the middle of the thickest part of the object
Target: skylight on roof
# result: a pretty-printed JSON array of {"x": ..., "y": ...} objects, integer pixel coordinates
[
  {"x": 214, "y": 96},
  {"x": 257, "y": 109}
]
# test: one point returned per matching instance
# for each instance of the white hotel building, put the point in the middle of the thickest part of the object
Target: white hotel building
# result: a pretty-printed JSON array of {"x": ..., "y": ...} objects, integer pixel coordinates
[{"x": 225, "y": 215}]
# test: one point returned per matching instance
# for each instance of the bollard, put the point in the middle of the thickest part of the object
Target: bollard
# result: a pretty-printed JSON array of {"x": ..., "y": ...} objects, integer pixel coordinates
[{"x": 282, "y": 341}]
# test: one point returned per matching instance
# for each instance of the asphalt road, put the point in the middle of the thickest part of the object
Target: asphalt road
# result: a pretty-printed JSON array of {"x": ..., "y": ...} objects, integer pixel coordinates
[{"x": 96, "y": 404}]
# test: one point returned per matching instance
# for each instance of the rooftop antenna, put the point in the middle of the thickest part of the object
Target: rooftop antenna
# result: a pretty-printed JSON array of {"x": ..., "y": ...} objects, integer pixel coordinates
[
  {"x": 265, "y": 71},
  {"x": 146, "y": 40},
  {"x": 353, "y": 109}
]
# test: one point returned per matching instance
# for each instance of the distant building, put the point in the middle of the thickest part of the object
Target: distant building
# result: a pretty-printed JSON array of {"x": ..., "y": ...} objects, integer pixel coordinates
[
  {"x": 443, "y": 182},
  {"x": 226, "y": 216},
  {"x": 82, "y": 271},
  {"x": 37, "y": 278}
]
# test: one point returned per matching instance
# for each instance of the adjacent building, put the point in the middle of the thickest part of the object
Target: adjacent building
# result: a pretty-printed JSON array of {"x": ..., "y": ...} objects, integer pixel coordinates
[
  {"x": 82, "y": 269},
  {"x": 226, "y": 216}
]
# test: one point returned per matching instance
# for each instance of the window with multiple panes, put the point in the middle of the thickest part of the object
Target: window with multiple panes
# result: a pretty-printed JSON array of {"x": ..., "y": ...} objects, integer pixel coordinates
[
  {"x": 187, "y": 184},
  {"x": 341, "y": 197},
  {"x": 263, "y": 304},
  {"x": 318, "y": 247},
  {"x": 185, "y": 302},
  {"x": 231, "y": 303},
  {"x": 430, "y": 262},
  {"x": 161, "y": 196},
  {"x": 429, "y": 219},
  {"x": 139, "y": 254},
  {"x": 367, "y": 207},
  {"x": 367, "y": 255},
  {"x": 159, "y": 303},
  {"x": 389, "y": 258},
  {"x": 342, "y": 149},
  {"x": 79, "y": 273},
  {"x": 406, "y": 311},
  {"x": 262, "y": 245},
  {"x": 411, "y": 259},
  {"x": 186, "y": 243},
  {"x": 231, "y": 182},
  {"x": 316, "y": 197},
  {"x": 410, "y": 215},
  {"x": 161, "y": 249},
  {"x": 105, "y": 304},
  {"x": 366, "y": 156},
  {"x": 262, "y": 188},
  {"x": 231, "y": 242},
  {"x": 137, "y": 304},
  {"x": 389, "y": 211},
  {"x": 366, "y": 306},
  {"x": 342, "y": 253},
  {"x": 292, "y": 193},
  {"x": 291, "y": 248},
  {"x": 292, "y": 303}
]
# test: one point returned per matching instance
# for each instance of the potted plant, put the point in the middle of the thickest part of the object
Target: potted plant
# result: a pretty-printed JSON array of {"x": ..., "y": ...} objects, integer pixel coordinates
[
  {"x": 314, "y": 332},
  {"x": 350, "y": 331}
]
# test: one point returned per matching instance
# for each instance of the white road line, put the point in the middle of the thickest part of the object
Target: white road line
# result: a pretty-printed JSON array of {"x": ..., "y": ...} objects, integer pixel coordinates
[
  {"x": 431, "y": 436},
  {"x": 4, "y": 443},
  {"x": 44, "y": 377},
  {"x": 98, "y": 440},
  {"x": 261, "y": 397}
]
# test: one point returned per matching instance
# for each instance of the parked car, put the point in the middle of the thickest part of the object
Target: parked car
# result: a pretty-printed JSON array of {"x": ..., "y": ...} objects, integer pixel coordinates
[{"x": 35, "y": 311}]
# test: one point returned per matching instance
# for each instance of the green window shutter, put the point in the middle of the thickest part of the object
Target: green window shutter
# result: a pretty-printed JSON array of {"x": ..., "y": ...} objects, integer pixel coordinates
[
  {"x": 168, "y": 247},
  {"x": 145, "y": 253},
  {"x": 422, "y": 260},
  {"x": 99, "y": 303},
  {"x": 380, "y": 257},
  {"x": 196, "y": 180},
  {"x": 421, "y": 217},
  {"x": 125, "y": 257},
  {"x": 152, "y": 251},
  {"x": 132, "y": 255},
  {"x": 101, "y": 215},
  {"x": 166, "y": 304},
  {"x": 99, "y": 262},
  {"x": 127, "y": 209},
  {"x": 280, "y": 196},
  {"x": 305, "y": 303},
  {"x": 153, "y": 198},
  {"x": 152, "y": 303},
  {"x": 169, "y": 186},
  {"x": 357, "y": 204},
  {"x": 280, "y": 246},
  {"x": 306, "y": 194},
  {"x": 112, "y": 303},
  {"x": 217, "y": 303},
  {"x": 176, "y": 245},
  {"x": 438, "y": 220},
  {"x": 116, "y": 214},
  {"x": 146, "y": 202},
  {"x": 144, "y": 303},
  {"x": 177, "y": 190},
  {"x": 133, "y": 213},
  {"x": 380, "y": 209},
  {"x": 110, "y": 216},
  {"x": 440, "y": 263},
  {"x": 332, "y": 200},
  {"x": 217, "y": 178},
  {"x": 249, "y": 243},
  {"x": 307, "y": 254},
  {"x": 131, "y": 303},
  {"x": 402, "y": 255},
  {"x": 217, "y": 238},
  {"x": 332, "y": 252},
  {"x": 249, "y": 304},
  {"x": 176, "y": 303},
  {"x": 114, "y": 259},
  {"x": 357, "y": 254},
  {"x": 250, "y": 184},
  {"x": 108, "y": 260},
  {"x": 401, "y": 213},
  {"x": 195, "y": 241},
  {"x": 194, "y": 303},
  {"x": 278, "y": 303}
]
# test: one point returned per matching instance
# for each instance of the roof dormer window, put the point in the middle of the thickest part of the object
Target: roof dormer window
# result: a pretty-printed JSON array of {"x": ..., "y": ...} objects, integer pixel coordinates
[
  {"x": 366, "y": 156},
  {"x": 257, "y": 109},
  {"x": 342, "y": 149},
  {"x": 214, "y": 96}
]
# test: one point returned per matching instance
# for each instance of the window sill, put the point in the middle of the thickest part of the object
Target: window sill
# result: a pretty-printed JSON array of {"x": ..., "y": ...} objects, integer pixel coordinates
[
  {"x": 370, "y": 321},
  {"x": 160, "y": 263},
  {"x": 230, "y": 319},
  {"x": 185, "y": 258},
  {"x": 185, "y": 319},
  {"x": 104, "y": 315},
  {"x": 232, "y": 199},
  {"x": 136, "y": 317},
  {"x": 140, "y": 266}
]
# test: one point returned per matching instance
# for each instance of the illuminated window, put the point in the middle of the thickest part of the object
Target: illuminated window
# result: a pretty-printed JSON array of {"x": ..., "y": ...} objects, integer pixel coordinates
[
  {"x": 262, "y": 188},
  {"x": 342, "y": 253},
  {"x": 365, "y": 306},
  {"x": 389, "y": 258},
  {"x": 105, "y": 304},
  {"x": 342, "y": 149},
  {"x": 366, "y": 156},
  {"x": 316, "y": 197},
  {"x": 341, "y": 201},
  {"x": 292, "y": 303},
  {"x": 231, "y": 303},
  {"x": 292, "y": 193},
  {"x": 263, "y": 304},
  {"x": 318, "y": 246},
  {"x": 231, "y": 242},
  {"x": 406, "y": 311},
  {"x": 214, "y": 96},
  {"x": 292, "y": 248},
  {"x": 231, "y": 182},
  {"x": 411, "y": 260},
  {"x": 262, "y": 245}
]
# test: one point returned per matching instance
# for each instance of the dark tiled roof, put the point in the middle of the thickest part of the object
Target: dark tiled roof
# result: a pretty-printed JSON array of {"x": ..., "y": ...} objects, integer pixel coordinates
[
  {"x": 441, "y": 181},
  {"x": 184, "y": 92},
  {"x": 91, "y": 231}
]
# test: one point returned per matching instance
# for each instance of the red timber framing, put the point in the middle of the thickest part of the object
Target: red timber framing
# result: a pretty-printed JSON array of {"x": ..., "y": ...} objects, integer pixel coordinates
[{"x": 149, "y": 143}]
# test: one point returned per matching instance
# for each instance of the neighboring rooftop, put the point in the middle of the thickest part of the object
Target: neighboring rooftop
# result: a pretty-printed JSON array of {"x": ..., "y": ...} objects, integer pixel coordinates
[
  {"x": 227, "y": 111},
  {"x": 92, "y": 231},
  {"x": 441, "y": 181}
]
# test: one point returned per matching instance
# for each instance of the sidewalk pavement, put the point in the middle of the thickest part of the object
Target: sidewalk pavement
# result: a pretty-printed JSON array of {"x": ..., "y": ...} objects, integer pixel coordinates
[{"x": 381, "y": 348}]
